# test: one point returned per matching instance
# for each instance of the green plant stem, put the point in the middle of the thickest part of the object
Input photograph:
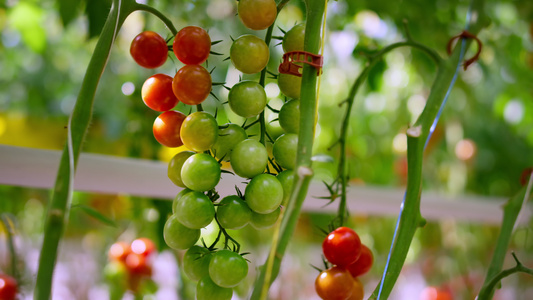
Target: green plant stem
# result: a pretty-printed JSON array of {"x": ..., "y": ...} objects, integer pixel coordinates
[
  {"x": 411, "y": 218},
  {"x": 511, "y": 210},
  {"x": 7, "y": 221},
  {"x": 304, "y": 173},
  {"x": 58, "y": 209},
  {"x": 158, "y": 14},
  {"x": 342, "y": 172},
  {"x": 489, "y": 286}
]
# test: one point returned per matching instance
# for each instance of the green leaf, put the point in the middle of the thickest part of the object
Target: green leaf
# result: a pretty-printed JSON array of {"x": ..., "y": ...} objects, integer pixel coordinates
[
  {"x": 95, "y": 214},
  {"x": 68, "y": 10},
  {"x": 97, "y": 11}
]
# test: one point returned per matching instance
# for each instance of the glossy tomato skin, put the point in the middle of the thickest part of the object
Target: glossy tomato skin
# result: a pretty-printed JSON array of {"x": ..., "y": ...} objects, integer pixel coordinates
[
  {"x": 229, "y": 135},
  {"x": 249, "y": 54},
  {"x": 175, "y": 165},
  {"x": 149, "y": 50},
  {"x": 342, "y": 246},
  {"x": 178, "y": 236},
  {"x": 227, "y": 268},
  {"x": 286, "y": 178},
  {"x": 199, "y": 131},
  {"x": 264, "y": 193},
  {"x": 363, "y": 264},
  {"x": 289, "y": 116},
  {"x": 192, "y": 84},
  {"x": 264, "y": 221},
  {"x": 284, "y": 150},
  {"x": 195, "y": 210},
  {"x": 294, "y": 38},
  {"x": 247, "y": 98},
  {"x": 8, "y": 287},
  {"x": 201, "y": 172},
  {"x": 157, "y": 93},
  {"x": 167, "y": 127},
  {"x": 206, "y": 289},
  {"x": 290, "y": 85},
  {"x": 335, "y": 283},
  {"x": 358, "y": 292},
  {"x": 177, "y": 199},
  {"x": 192, "y": 45},
  {"x": 249, "y": 158},
  {"x": 233, "y": 212},
  {"x": 257, "y": 14},
  {"x": 196, "y": 262}
]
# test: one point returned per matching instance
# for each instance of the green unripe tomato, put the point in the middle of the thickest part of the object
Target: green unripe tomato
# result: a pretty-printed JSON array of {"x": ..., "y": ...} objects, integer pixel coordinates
[
  {"x": 285, "y": 149},
  {"x": 178, "y": 197},
  {"x": 249, "y": 158},
  {"x": 196, "y": 262},
  {"x": 175, "y": 165},
  {"x": 199, "y": 131},
  {"x": 200, "y": 172},
  {"x": 289, "y": 116},
  {"x": 247, "y": 99},
  {"x": 286, "y": 178},
  {"x": 290, "y": 85},
  {"x": 229, "y": 135},
  {"x": 178, "y": 236},
  {"x": 206, "y": 289},
  {"x": 195, "y": 210},
  {"x": 233, "y": 212},
  {"x": 294, "y": 38},
  {"x": 264, "y": 193},
  {"x": 227, "y": 268},
  {"x": 264, "y": 221},
  {"x": 249, "y": 54}
]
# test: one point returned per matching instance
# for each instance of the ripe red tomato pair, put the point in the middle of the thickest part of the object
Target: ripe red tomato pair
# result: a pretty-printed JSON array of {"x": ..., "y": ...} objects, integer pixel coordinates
[
  {"x": 8, "y": 287},
  {"x": 134, "y": 256}
]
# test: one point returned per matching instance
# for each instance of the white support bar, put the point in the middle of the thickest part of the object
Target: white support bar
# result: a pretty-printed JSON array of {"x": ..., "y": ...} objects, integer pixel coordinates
[{"x": 37, "y": 168}]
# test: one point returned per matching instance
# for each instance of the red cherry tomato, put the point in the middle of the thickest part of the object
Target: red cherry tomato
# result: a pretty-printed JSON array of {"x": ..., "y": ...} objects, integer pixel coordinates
[
  {"x": 138, "y": 264},
  {"x": 118, "y": 251},
  {"x": 363, "y": 263},
  {"x": 143, "y": 246},
  {"x": 192, "y": 45},
  {"x": 8, "y": 287},
  {"x": 157, "y": 93},
  {"x": 342, "y": 246},
  {"x": 167, "y": 128},
  {"x": 192, "y": 84},
  {"x": 335, "y": 283},
  {"x": 149, "y": 50}
]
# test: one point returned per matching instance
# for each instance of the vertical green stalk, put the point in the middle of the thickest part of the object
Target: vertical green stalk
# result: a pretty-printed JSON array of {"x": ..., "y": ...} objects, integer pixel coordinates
[
  {"x": 410, "y": 218},
  {"x": 511, "y": 210},
  {"x": 58, "y": 209},
  {"x": 308, "y": 106}
]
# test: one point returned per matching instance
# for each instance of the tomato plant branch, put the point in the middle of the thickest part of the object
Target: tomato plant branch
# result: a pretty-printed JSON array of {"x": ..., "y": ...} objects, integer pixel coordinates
[
  {"x": 511, "y": 210},
  {"x": 157, "y": 13},
  {"x": 488, "y": 288},
  {"x": 410, "y": 218},
  {"x": 304, "y": 173},
  {"x": 342, "y": 176},
  {"x": 58, "y": 209}
]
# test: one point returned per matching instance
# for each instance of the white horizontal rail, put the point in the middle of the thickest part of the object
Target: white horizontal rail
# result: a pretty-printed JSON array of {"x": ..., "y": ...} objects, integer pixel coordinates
[{"x": 37, "y": 168}]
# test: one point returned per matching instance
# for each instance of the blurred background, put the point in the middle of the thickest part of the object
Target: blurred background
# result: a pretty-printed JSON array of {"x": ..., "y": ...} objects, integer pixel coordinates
[{"x": 482, "y": 144}]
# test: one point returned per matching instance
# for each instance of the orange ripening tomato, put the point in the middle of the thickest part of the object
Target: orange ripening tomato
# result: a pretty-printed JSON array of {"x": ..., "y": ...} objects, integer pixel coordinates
[
  {"x": 335, "y": 283},
  {"x": 157, "y": 93},
  {"x": 192, "y": 45},
  {"x": 192, "y": 84},
  {"x": 167, "y": 127}
]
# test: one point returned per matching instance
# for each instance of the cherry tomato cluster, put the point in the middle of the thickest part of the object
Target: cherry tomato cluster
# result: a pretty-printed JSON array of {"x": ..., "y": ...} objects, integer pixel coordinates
[
  {"x": 130, "y": 263},
  {"x": 198, "y": 169},
  {"x": 350, "y": 259},
  {"x": 8, "y": 287}
]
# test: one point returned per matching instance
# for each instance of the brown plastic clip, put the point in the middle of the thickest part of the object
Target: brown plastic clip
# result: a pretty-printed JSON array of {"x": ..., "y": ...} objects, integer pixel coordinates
[
  {"x": 291, "y": 59},
  {"x": 466, "y": 35}
]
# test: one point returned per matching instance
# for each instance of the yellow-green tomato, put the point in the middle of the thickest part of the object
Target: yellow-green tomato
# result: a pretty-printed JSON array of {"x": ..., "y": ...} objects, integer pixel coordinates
[
  {"x": 257, "y": 14},
  {"x": 249, "y": 158},
  {"x": 175, "y": 165},
  {"x": 264, "y": 221},
  {"x": 199, "y": 131},
  {"x": 290, "y": 85},
  {"x": 247, "y": 99},
  {"x": 196, "y": 262},
  {"x": 206, "y": 289},
  {"x": 294, "y": 38},
  {"x": 286, "y": 178},
  {"x": 233, "y": 212},
  {"x": 229, "y": 135},
  {"x": 227, "y": 268},
  {"x": 178, "y": 236},
  {"x": 195, "y": 210},
  {"x": 249, "y": 54}
]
